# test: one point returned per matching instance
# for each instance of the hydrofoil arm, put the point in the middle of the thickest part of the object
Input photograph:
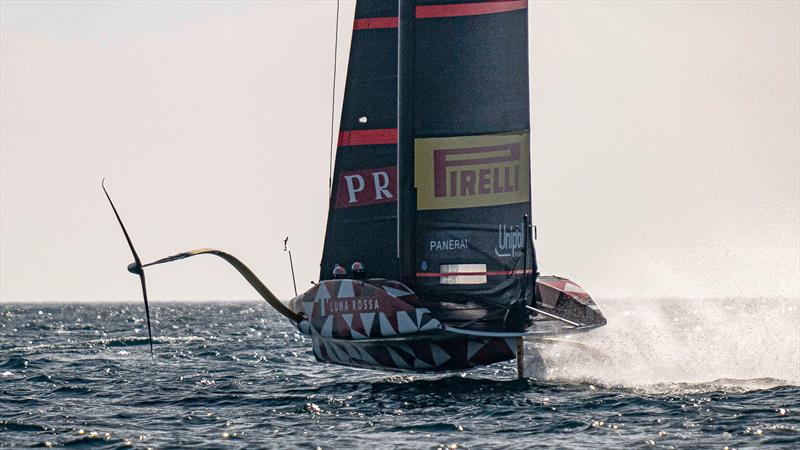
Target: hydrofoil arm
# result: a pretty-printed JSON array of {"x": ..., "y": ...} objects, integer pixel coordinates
[
  {"x": 137, "y": 268},
  {"x": 248, "y": 275}
]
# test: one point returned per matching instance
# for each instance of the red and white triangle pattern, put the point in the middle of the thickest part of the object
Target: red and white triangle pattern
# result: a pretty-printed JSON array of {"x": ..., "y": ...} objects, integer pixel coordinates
[
  {"x": 349, "y": 309},
  {"x": 349, "y": 320},
  {"x": 453, "y": 352}
]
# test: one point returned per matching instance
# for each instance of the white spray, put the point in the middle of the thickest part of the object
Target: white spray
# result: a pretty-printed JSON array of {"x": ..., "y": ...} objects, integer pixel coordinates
[{"x": 746, "y": 342}]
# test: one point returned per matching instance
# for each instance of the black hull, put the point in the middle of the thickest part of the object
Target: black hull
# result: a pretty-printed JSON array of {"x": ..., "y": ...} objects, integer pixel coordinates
[{"x": 382, "y": 324}]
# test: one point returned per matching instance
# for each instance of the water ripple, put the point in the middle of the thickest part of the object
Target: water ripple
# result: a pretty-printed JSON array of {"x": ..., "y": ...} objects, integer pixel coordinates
[{"x": 238, "y": 376}]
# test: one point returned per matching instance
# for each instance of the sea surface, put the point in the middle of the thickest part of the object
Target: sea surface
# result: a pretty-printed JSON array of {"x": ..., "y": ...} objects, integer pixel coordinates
[{"x": 662, "y": 374}]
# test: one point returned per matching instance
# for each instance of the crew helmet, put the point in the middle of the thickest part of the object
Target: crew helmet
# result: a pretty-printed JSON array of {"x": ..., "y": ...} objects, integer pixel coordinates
[
  {"x": 358, "y": 268},
  {"x": 339, "y": 271}
]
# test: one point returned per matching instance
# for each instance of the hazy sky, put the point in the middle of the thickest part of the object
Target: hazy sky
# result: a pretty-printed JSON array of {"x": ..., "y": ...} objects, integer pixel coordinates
[{"x": 665, "y": 141}]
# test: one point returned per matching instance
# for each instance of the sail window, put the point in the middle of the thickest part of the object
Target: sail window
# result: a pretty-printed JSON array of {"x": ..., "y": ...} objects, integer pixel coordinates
[{"x": 463, "y": 273}]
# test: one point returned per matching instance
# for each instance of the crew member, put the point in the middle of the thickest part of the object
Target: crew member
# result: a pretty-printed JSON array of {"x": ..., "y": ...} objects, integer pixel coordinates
[{"x": 359, "y": 270}]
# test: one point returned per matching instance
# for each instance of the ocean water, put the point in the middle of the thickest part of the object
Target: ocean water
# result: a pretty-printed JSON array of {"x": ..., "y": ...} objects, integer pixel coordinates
[{"x": 662, "y": 374}]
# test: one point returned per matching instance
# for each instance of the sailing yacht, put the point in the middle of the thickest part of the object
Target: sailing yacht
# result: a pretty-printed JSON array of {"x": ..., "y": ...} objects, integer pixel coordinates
[{"x": 429, "y": 262}]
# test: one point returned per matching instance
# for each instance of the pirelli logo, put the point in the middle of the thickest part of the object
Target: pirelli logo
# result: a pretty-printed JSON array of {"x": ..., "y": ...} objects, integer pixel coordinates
[{"x": 472, "y": 171}]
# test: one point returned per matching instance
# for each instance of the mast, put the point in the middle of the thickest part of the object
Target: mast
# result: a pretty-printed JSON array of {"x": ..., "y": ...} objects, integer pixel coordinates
[{"x": 407, "y": 201}]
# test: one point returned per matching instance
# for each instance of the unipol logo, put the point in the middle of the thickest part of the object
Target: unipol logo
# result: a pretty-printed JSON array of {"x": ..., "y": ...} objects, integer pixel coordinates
[
  {"x": 509, "y": 240},
  {"x": 367, "y": 187},
  {"x": 470, "y": 171}
]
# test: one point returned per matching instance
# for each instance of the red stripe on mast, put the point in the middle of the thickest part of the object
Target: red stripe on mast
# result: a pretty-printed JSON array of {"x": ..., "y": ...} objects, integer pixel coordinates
[
  {"x": 368, "y": 137},
  {"x": 469, "y": 9},
  {"x": 375, "y": 23}
]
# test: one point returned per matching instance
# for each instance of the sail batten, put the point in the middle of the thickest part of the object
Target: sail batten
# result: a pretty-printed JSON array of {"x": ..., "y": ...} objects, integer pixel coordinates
[
  {"x": 443, "y": 11},
  {"x": 460, "y": 9},
  {"x": 374, "y": 23},
  {"x": 368, "y": 137}
]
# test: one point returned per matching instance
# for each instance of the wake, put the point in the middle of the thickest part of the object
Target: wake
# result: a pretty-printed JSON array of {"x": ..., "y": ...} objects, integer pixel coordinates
[{"x": 663, "y": 344}]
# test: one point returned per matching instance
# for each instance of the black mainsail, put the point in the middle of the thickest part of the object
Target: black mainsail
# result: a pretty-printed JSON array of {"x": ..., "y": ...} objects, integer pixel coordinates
[
  {"x": 471, "y": 159},
  {"x": 463, "y": 167},
  {"x": 363, "y": 205}
]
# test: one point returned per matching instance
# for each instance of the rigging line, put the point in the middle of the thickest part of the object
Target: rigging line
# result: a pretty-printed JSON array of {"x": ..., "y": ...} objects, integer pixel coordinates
[{"x": 333, "y": 101}]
